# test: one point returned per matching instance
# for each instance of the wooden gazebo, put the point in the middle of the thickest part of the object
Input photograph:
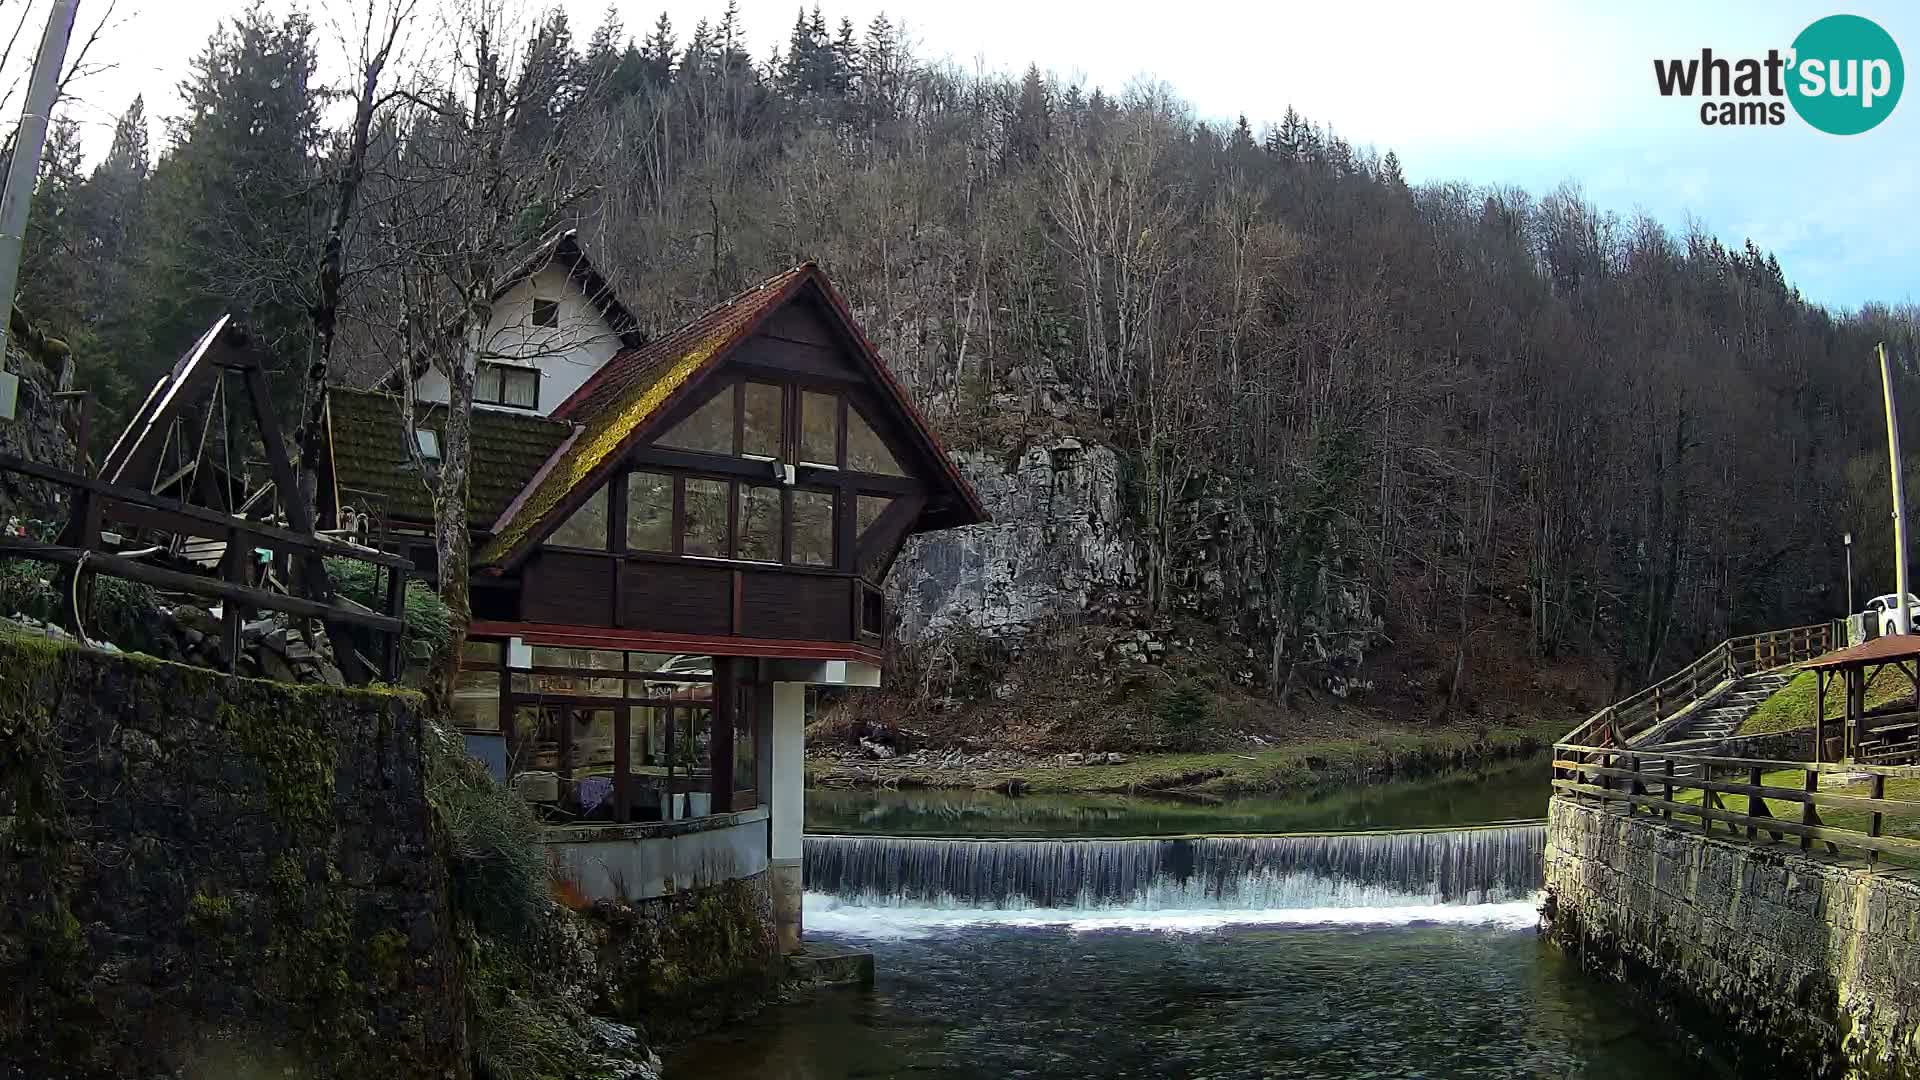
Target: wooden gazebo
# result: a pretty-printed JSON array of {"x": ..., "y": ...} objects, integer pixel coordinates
[{"x": 1885, "y": 736}]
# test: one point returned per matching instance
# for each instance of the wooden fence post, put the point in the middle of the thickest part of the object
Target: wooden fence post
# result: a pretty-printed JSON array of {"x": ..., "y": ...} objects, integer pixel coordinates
[
  {"x": 1808, "y": 817},
  {"x": 391, "y": 657},
  {"x": 1878, "y": 790},
  {"x": 1707, "y": 801},
  {"x": 233, "y": 568},
  {"x": 1666, "y": 812}
]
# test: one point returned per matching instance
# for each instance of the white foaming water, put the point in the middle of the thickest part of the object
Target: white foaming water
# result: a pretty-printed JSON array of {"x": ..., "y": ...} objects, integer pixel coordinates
[
  {"x": 1226, "y": 877},
  {"x": 830, "y": 915}
]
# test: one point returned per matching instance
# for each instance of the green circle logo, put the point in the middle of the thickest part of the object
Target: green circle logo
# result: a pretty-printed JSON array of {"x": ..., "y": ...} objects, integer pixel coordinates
[{"x": 1847, "y": 74}]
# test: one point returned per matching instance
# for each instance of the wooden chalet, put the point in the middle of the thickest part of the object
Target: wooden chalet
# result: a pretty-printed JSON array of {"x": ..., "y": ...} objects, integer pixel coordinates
[{"x": 672, "y": 538}]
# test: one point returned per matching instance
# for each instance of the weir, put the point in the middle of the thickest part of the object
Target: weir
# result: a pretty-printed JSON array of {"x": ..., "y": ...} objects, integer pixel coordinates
[{"x": 1350, "y": 870}]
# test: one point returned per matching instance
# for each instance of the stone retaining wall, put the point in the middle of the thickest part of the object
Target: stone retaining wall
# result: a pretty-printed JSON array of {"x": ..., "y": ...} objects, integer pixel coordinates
[
  {"x": 203, "y": 875},
  {"x": 1787, "y": 964}
]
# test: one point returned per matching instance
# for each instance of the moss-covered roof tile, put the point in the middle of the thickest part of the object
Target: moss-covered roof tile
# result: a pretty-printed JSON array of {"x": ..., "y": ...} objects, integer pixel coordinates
[
  {"x": 374, "y": 468},
  {"x": 623, "y": 394}
]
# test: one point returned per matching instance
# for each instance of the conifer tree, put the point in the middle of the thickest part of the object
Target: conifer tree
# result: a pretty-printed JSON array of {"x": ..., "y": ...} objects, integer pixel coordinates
[
  {"x": 657, "y": 53},
  {"x": 234, "y": 219}
]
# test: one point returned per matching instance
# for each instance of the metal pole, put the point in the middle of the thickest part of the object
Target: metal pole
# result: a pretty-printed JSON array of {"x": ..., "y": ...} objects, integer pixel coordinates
[
  {"x": 28, "y": 141},
  {"x": 1903, "y": 617},
  {"x": 1848, "y": 542}
]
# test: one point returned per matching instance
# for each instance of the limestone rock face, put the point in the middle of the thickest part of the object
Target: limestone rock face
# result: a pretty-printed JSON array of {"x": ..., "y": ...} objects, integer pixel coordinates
[{"x": 1057, "y": 547}]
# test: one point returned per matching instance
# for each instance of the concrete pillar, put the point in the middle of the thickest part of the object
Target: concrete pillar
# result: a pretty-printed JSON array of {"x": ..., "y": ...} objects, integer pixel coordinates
[{"x": 788, "y": 809}]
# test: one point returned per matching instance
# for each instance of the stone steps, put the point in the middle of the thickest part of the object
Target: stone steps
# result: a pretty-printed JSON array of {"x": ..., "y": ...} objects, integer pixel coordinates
[{"x": 1724, "y": 717}]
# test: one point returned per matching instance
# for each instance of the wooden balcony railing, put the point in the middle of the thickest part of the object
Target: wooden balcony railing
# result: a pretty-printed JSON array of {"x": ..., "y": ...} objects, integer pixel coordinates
[
  {"x": 1643, "y": 713},
  {"x": 82, "y": 550}
]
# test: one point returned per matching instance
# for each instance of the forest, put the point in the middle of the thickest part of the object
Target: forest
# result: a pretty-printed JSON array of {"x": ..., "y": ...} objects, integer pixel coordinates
[{"x": 1451, "y": 400}]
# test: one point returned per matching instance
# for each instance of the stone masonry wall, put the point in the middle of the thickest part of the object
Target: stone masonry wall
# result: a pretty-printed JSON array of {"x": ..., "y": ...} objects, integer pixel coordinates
[
  {"x": 203, "y": 875},
  {"x": 1787, "y": 964}
]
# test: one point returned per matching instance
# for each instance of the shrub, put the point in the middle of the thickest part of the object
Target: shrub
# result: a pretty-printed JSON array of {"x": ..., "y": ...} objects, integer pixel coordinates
[
  {"x": 123, "y": 612},
  {"x": 365, "y": 584},
  {"x": 1186, "y": 712},
  {"x": 499, "y": 874}
]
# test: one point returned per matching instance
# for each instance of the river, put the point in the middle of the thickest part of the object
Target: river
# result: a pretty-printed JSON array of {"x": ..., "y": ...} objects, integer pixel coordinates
[{"x": 1409, "y": 952}]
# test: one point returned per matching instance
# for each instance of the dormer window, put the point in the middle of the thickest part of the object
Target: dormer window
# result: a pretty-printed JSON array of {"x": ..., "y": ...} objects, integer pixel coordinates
[
  {"x": 546, "y": 312},
  {"x": 427, "y": 441},
  {"x": 505, "y": 384}
]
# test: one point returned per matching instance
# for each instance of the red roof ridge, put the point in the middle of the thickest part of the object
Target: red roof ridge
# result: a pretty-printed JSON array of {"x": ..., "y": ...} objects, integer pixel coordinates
[{"x": 613, "y": 368}]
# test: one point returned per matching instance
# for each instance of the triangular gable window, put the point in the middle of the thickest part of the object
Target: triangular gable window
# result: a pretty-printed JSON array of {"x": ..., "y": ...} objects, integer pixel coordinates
[
  {"x": 587, "y": 528},
  {"x": 709, "y": 429},
  {"x": 865, "y": 451}
]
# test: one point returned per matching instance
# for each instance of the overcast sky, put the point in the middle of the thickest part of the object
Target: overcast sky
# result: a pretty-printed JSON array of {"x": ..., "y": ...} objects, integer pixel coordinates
[{"x": 1511, "y": 93}]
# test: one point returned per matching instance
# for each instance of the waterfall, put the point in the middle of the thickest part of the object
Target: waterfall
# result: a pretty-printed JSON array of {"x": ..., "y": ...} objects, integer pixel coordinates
[{"x": 1497, "y": 866}]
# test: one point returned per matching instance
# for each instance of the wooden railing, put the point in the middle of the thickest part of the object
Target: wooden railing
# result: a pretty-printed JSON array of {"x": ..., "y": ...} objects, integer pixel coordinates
[
  {"x": 81, "y": 549},
  {"x": 1637, "y": 781},
  {"x": 1703, "y": 680}
]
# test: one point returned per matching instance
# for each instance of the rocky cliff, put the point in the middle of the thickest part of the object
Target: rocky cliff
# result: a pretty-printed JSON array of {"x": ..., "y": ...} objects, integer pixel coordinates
[
  {"x": 1036, "y": 632},
  {"x": 1058, "y": 548}
]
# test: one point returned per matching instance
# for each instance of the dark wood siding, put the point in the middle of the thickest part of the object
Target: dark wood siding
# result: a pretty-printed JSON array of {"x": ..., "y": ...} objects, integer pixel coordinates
[
  {"x": 562, "y": 587},
  {"x": 801, "y": 321},
  {"x": 812, "y": 607},
  {"x": 763, "y": 353},
  {"x": 683, "y": 598}
]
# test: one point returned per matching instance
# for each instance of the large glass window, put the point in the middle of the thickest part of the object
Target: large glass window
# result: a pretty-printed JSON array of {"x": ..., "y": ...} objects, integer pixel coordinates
[
  {"x": 587, "y": 528},
  {"x": 760, "y": 428},
  {"x": 579, "y": 707},
  {"x": 649, "y": 512},
  {"x": 819, "y": 428},
  {"x": 867, "y": 510},
  {"x": 813, "y": 528},
  {"x": 706, "y": 525},
  {"x": 865, "y": 450},
  {"x": 709, "y": 429},
  {"x": 592, "y": 740},
  {"x": 476, "y": 693},
  {"x": 759, "y": 524}
]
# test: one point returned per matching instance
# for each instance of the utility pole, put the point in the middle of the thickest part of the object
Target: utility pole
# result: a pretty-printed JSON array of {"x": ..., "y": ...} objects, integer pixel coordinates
[
  {"x": 30, "y": 139},
  {"x": 1846, "y": 540},
  {"x": 1903, "y": 614}
]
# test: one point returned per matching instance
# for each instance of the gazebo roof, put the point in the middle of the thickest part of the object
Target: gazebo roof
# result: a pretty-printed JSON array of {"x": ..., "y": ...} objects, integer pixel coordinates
[{"x": 1882, "y": 650}]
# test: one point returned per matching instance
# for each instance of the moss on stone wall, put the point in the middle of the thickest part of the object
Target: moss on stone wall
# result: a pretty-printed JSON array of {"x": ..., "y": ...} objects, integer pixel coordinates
[
  {"x": 204, "y": 869},
  {"x": 684, "y": 963},
  {"x": 1779, "y": 963}
]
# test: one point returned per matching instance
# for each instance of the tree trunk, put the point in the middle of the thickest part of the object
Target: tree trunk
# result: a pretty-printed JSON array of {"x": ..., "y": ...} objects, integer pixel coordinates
[
  {"x": 333, "y": 264},
  {"x": 453, "y": 543}
]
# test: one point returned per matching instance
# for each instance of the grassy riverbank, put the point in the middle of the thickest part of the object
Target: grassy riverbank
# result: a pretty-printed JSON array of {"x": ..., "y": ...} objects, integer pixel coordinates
[
  {"x": 1791, "y": 707},
  {"x": 1314, "y": 763}
]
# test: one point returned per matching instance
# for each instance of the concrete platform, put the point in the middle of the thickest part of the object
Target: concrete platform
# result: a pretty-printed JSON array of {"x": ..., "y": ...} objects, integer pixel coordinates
[{"x": 824, "y": 964}]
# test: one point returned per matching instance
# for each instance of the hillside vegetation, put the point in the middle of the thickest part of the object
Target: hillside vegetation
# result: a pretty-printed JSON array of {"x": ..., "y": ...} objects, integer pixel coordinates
[{"x": 1487, "y": 437}]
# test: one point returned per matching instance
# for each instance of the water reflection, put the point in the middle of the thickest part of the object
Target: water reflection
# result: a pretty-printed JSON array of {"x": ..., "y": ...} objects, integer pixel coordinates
[
  {"x": 1310, "y": 1003},
  {"x": 1511, "y": 791}
]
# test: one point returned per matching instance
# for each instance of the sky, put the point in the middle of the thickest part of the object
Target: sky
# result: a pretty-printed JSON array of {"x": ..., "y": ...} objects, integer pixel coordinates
[{"x": 1503, "y": 93}]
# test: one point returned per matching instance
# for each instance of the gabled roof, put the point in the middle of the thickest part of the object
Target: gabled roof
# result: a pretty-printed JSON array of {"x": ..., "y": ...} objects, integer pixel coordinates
[
  {"x": 614, "y": 406},
  {"x": 563, "y": 249},
  {"x": 373, "y": 465},
  {"x": 714, "y": 328},
  {"x": 560, "y": 249}
]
